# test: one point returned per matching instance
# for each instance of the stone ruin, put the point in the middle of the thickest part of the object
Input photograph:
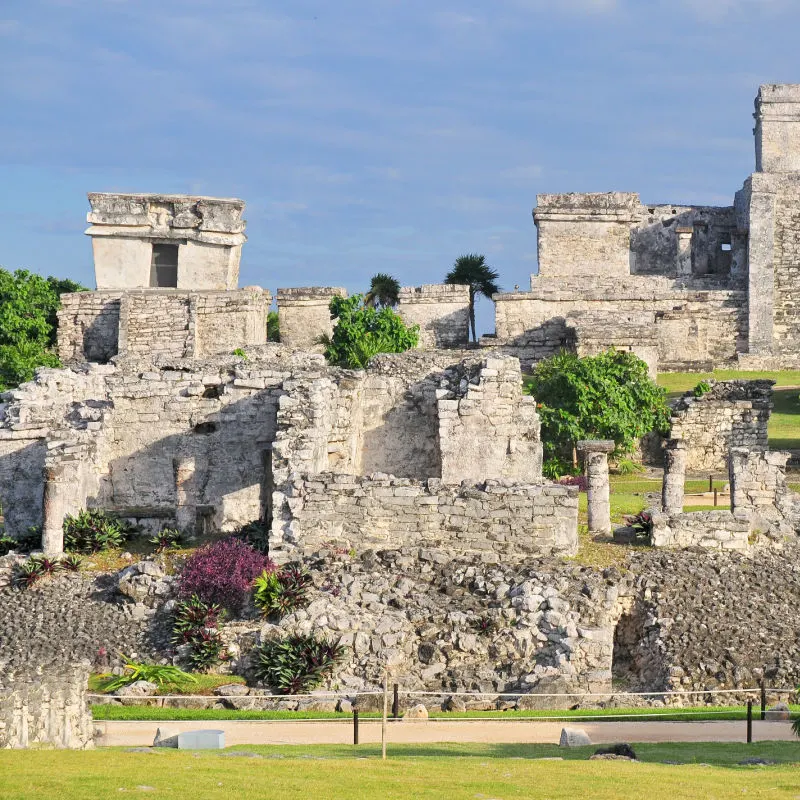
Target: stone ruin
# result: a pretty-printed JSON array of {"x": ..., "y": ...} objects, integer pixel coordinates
[{"x": 427, "y": 464}]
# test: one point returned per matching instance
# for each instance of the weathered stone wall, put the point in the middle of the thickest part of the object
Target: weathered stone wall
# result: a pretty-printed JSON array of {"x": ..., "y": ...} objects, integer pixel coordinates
[
  {"x": 145, "y": 324},
  {"x": 304, "y": 314},
  {"x": 487, "y": 426},
  {"x": 711, "y": 530},
  {"x": 46, "y": 709},
  {"x": 88, "y": 327},
  {"x": 440, "y": 310},
  {"x": 696, "y": 327},
  {"x": 732, "y": 414},
  {"x": 498, "y": 519},
  {"x": 777, "y": 128}
]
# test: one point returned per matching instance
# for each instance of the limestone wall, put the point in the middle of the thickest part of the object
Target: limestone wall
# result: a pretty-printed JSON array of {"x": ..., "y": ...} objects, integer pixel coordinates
[
  {"x": 732, "y": 414},
  {"x": 144, "y": 324},
  {"x": 440, "y": 310},
  {"x": 696, "y": 328},
  {"x": 46, "y": 710},
  {"x": 304, "y": 315},
  {"x": 490, "y": 520},
  {"x": 711, "y": 530}
]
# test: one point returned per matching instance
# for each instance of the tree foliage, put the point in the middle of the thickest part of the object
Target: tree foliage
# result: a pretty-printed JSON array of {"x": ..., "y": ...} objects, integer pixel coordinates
[
  {"x": 28, "y": 306},
  {"x": 362, "y": 331},
  {"x": 273, "y": 327},
  {"x": 384, "y": 290},
  {"x": 473, "y": 271},
  {"x": 607, "y": 396}
]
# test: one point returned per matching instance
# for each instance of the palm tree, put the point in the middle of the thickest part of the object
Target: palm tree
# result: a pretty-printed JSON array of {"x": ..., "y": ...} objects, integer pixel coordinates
[
  {"x": 473, "y": 271},
  {"x": 383, "y": 291}
]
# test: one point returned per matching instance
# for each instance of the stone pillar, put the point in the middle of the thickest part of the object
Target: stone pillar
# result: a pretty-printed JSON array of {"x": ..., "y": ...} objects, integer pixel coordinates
[
  {"x": 684, "y": 265},
  {"x": 185, "y": 494},
  {"x": 304, "y": 315},
  {"x": 595, "y": 463},
  {"x": 760, "y": 273},
  {"x": 672, "y": 488},
  {"x": 57, "y": 503}
]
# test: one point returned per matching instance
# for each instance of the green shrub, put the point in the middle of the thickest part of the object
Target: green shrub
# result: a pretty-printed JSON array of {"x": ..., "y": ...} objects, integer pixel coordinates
[
  {"x": 704, "y": 387},
  {"x": 273, "y": 327},
  {"x": 625, "y": 466},
  {"x": 363, "y": 331},
  {"x": 94, "y": 529},
  {"x": 166, "y": 539},
  {"x": 7, "y": 544},
  {"x": 240, "y": 353},
  {"x": 159, "y": 674},
  {"x": 607, "y": 396},
  {"x": 277, "y": 592},
  {"x": 256, "y": 534},
  {"x": 297, "y": 664}
]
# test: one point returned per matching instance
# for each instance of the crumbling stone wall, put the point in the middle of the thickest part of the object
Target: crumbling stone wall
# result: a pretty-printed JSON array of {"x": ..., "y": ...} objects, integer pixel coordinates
[
  {"x": 491, "y": 520},
  {"x": 46, "y": 709},
  {"x": 711, "y": 530},
  {"x": 144, "y": 324},
  {"x": 732, "y": 414},
  {"x": 304, "y": 315},
  {"x": 440, "y": 310}
]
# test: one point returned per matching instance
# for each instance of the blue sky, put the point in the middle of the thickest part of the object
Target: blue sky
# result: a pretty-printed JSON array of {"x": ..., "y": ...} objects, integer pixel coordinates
[{"x": 374, "y": 135}]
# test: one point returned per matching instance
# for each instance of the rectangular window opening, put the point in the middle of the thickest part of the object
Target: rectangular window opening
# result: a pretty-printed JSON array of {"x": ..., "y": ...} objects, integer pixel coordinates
[
  {"x": 164, "y": 266},
  {"x": 725, "y": 247}
]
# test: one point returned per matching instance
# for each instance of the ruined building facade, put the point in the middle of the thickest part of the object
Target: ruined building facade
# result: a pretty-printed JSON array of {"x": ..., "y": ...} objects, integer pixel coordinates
[{"x": 684, "y": 287}]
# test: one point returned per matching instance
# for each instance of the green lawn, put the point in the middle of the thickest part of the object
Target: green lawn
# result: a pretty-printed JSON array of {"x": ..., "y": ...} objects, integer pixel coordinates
[
  {"x": 113, "y": 712},
  {"x": 476, "y": 772}
]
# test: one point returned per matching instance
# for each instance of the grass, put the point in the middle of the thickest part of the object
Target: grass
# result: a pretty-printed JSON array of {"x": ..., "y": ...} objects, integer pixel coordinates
[
  {"x": 696, "y": 713},
  {"x": 332, "y": 772}
]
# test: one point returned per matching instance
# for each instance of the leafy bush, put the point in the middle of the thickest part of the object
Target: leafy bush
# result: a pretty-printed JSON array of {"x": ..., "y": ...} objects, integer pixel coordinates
[
  {"x": 240, "y": 353},
  {"x": 222, "y": 572},
  {"x": 273, "y": 327},
  {"x": 296, "y": 664},
  {"x": 556, "y": 468},
  {"x": 607, "y": 396},
  {"x": 581, "y": 481},
  {"x": 94, "y": 529},
  {"x": 166, "y": 539},
  {"x": 71, "y": 562},
  {"x": 704, "y": 387},
  {"x": 158, "y": 674},
  {"x": 28, "y": 305},
  {"x": 7, "y": 544},
  {"x": 625, "y": 466},
  {"x": 642, "y": 523},
  {"x": 363, "y": 331},
  {"x": 197, "y": 625},
  {"x": 255, "y": 533},
  {"x": 277, "y": 592},
  {"x": 28, "y": 574}
]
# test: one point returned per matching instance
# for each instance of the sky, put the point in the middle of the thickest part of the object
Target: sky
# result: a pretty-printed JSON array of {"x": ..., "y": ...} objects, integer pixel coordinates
[{"x": 374, "y": 135}]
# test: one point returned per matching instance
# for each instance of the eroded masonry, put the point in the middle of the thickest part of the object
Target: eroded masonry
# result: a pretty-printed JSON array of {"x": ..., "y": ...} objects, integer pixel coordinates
[{"x": 420, "y": 477}]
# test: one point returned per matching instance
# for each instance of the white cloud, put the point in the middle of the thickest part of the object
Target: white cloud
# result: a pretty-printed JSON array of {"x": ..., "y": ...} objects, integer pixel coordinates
[
  {"x": 570, "y": 6},
  {"x": 719, "y": 10}
]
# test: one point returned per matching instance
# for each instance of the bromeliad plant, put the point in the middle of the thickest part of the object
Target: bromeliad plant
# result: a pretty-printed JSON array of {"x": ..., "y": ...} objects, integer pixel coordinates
[
  {"x": 166, "y": 539},
  {"x": 297, "y": 664},
  {"x": 197, "y": 625},
  {"x": 278, "y": 592},
  {"x": 93, "y": 529},
  {"x": 34, "y": 569},
  {"x": 642, "y": 523},
  {"x": 159, "y": 674}
]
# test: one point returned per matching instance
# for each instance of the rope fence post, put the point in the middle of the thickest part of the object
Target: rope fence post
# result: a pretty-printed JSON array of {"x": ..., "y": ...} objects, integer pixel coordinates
[
  {"x": 396, "y": 700},
  {"x": 385, "y": 712},
  {"x": 749, "y": 722},
  {"x": 763, "y": 700},
  {"x": 355, "y": 727}
]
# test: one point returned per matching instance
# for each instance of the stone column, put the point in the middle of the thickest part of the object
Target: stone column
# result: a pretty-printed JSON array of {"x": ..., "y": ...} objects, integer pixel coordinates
[
  {"x": 684, "y": 265},
  {"x": 672, "y": 488},
  {"x": 595, "y": 463},
  {"x": 57, "y": 502},
  {"x": 185, "y": 494}
]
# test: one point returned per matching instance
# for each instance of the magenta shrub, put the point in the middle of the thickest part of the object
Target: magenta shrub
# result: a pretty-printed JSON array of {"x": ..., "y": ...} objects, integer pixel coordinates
[
  {"x": 223, "y": 572},
  {"x": 574, "y": 480}
]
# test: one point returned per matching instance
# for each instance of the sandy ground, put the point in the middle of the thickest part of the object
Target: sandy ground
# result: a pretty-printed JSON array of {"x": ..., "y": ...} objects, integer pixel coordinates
[{"x": 422, "y": 732}]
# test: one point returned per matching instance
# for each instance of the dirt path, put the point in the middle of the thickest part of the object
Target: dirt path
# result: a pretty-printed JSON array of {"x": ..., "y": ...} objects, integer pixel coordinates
[{"x": 341, "y": 732}]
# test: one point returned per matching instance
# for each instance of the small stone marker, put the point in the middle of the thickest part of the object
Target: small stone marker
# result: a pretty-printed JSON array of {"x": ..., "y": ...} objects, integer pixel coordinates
[
  {"x": 574, "y": 737},
  {"x": 416, "y": 713},
  {"x": 166, "y": 737},
  {"x": 778, "y": 712},
  {"x": 201, "y": 740}
]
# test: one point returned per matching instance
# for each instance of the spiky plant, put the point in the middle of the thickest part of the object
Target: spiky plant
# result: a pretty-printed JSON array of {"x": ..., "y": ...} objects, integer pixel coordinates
[{"x": 297, "y": 663}]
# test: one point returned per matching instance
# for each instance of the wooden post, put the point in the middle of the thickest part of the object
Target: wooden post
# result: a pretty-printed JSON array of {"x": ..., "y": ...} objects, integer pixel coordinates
[
  {"x": 385, "y": 712},
  {"x": 355, "y": 727},
  {"x": 763, "y": 700},
  {"x": 715, "y": 496},
  {"x": 396, "y": 700},
  {"x": 749, "y": 722},
  {"x": 710, "y": 483}
]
